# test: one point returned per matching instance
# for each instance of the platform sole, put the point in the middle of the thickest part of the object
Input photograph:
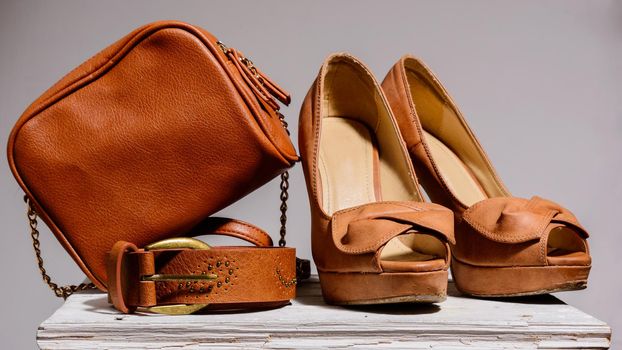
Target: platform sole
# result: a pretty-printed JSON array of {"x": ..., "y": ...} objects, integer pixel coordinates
[
  {"x": 383, "y": 288},
  {"x": 517, "y": 281}
]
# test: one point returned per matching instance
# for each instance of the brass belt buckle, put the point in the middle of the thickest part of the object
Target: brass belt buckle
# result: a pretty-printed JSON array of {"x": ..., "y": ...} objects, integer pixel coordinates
[{"x": 178, "y": 243}]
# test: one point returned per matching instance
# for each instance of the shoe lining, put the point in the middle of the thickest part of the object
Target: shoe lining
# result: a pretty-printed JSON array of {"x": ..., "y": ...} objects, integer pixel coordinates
[
  {"x": 350, "y": 92},
  {"x": 441, "y": 120},
  {"x": 457, "y": 176}
]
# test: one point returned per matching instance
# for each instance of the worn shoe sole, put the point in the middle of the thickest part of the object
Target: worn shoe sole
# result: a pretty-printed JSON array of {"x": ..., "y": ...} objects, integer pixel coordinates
[
  {"x": 517, "y": 281},
  {"x": 383, "y": 288}
]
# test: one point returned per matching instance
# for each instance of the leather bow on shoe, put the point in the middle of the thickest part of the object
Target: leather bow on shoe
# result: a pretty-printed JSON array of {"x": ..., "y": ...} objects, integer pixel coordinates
[
  {"x": 518, "y": 220},
  {"x": 366, "y": 228}
]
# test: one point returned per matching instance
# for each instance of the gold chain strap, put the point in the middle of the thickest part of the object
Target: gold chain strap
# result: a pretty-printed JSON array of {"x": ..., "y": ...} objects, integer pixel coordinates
[
  {"x": 284, "y": 196},
  {"x": 60, "y": 291},
  {"x": 284, "y": 193}
]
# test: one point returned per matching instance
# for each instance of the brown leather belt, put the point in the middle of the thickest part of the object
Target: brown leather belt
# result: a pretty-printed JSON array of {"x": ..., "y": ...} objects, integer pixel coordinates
[{"x": 183, "y": 275}]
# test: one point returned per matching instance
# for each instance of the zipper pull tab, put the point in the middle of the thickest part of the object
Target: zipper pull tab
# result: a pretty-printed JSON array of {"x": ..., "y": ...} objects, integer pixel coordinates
[{"x": 263, "y": 87}]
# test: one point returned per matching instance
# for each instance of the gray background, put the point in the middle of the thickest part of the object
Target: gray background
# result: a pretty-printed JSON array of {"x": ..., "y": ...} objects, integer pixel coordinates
[{"x": 539, "y": 82}]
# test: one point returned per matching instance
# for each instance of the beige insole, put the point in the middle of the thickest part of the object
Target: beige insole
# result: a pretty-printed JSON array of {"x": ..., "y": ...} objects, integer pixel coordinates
[
  {"x": 457, "y": 176},
  {"x": 348, "y": 165}
]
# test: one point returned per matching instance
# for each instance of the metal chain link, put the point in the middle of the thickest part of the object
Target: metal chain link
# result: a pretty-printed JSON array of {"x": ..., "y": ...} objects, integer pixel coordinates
[
  {"x": 284, "y": 196},
  {"x": 60, "y": 291},
  {"x": 284, "y": 193}
]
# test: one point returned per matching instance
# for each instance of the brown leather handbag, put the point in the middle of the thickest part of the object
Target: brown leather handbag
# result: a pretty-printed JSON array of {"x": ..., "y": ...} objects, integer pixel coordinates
[{"x": 146, "y": 140}]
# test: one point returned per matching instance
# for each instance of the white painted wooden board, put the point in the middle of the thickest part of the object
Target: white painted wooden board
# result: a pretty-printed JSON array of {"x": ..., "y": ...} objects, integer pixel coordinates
[{"x": 86, "y": 321}]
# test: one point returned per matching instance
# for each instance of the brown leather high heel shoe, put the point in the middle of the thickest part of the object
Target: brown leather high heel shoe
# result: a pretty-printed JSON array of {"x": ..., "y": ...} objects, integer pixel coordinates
[
  {"x": 505, "y": 246},
  {"x": 373, "y": 238}
]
